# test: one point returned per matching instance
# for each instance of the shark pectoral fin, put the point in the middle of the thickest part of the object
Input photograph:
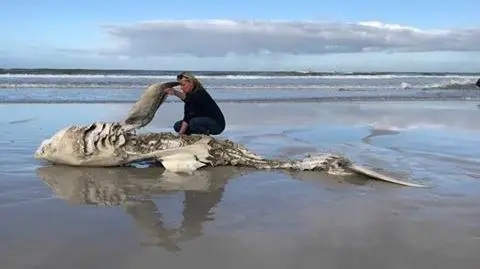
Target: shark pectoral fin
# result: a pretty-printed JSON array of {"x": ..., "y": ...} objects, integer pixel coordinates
[
  {"x": 185, "y": 162},
  {"x": 375, "y": 175},
  {"x": 184, "y": 159}
]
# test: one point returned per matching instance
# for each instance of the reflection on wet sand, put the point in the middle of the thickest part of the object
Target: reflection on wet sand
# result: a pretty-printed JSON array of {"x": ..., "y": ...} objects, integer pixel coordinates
[
  {"x": 133, "y": 190},
  {"x": 328, "y": 180}
]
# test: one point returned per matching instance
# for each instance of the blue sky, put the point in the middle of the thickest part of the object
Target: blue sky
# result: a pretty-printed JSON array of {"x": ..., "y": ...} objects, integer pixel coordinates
[{"x": 110, "y": 34}]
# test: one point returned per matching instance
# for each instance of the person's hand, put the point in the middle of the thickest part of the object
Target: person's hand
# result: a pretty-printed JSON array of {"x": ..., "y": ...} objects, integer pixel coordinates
[
  {"x": 183, "y": 141},
  {"x": 169, "y": 91}
]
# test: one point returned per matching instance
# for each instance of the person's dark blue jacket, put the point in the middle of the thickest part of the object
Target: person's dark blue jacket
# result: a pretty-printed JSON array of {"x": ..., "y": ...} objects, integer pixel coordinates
[{"x": 199, "y": 103}]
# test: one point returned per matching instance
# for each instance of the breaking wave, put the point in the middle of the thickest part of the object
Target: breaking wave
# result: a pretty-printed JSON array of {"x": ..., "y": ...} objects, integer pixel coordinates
[
  {"x": 113, "y": 100},
  {"x": 138, "y": 79},
  {"x": 465, "y": 83},
  {"x": 124, "y": 85},
  {"x": 230, "y": 74},
  {"x": 344, "y": 82}
]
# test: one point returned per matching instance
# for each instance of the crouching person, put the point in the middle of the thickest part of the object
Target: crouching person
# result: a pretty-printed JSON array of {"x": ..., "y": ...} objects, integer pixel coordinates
[{"x": 201, "y": 113}]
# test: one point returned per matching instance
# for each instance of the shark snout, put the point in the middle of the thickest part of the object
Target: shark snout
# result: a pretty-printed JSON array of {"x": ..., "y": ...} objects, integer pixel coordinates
[{"x": 40, "y": 151}]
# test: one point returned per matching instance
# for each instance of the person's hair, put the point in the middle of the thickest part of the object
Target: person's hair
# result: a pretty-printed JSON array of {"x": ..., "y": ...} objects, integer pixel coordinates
[{"x": 191, "y": 78}]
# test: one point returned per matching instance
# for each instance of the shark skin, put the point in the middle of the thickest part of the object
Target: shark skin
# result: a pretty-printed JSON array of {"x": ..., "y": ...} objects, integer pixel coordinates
[
  {"x": 110, "y": 144},
  {"x": 105, "y": 144}
]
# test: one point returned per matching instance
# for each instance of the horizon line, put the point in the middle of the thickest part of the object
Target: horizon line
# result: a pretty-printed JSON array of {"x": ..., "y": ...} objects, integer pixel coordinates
[{"x": 3, "y": 69}]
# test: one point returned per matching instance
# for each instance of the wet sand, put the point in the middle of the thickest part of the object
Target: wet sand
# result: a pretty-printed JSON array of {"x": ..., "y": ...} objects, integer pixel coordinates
[{"x": 62, "y": 217}]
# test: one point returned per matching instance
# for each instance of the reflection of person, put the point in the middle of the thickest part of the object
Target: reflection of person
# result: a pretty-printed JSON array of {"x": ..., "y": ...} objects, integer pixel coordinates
[
  {"x": 201, "y": 113},
  {"x": 147, "y": 218},
  {"x": 198, "y": 208}
]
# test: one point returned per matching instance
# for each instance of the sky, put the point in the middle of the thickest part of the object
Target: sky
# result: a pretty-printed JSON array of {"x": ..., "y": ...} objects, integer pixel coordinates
[{"x": 328, "y": 35}]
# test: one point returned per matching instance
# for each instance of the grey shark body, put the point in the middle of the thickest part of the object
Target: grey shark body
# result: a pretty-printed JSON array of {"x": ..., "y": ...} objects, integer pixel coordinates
[
  {"x": 108, "y": 144},
  {"x": 145, "y": 108}
]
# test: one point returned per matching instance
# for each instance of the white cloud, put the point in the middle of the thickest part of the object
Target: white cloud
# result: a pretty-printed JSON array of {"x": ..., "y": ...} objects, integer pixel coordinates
[
  {"x": 217, "y": 38},
  {"x": 261, "y": 45}
]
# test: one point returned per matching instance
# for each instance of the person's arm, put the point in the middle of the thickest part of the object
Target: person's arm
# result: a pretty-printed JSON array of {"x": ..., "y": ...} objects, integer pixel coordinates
[
  {"x": 186, "y": 118},
  {"x": 183, "y": 128},
  {"x": 178, "y": 93}
]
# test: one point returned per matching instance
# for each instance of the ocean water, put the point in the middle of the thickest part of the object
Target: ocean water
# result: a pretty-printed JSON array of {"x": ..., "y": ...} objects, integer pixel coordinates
[
  {"x": 418, "y": 127},
  {"x": 125, "y": 86}
]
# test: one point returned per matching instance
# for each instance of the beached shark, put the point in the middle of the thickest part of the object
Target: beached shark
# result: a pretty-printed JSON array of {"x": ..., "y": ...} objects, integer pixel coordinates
[{"x": 108, "y": 144}]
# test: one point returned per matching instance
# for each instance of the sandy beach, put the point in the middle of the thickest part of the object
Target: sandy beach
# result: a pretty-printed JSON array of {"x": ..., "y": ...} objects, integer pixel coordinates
[{"x": 63, "y": 217}]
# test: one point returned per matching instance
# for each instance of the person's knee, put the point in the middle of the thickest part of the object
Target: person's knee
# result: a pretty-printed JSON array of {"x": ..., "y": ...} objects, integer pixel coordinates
[{"x": 177, "y": 126}]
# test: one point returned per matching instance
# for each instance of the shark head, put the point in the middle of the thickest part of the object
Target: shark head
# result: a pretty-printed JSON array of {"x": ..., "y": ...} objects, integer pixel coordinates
[
  {"x": 142, "y": 113},
  {"x": 96, "y": 144},
  {"x": 59, "y": 146}
]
